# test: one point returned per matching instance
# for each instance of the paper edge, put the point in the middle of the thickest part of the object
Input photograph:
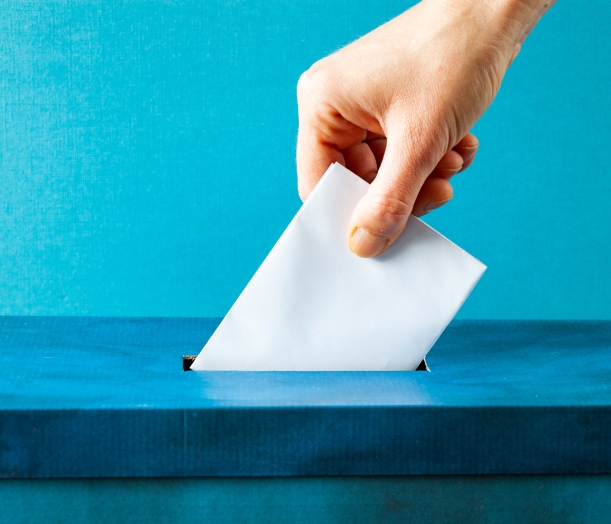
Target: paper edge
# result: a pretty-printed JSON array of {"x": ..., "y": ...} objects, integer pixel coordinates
[{"x": 294, "y": 219}]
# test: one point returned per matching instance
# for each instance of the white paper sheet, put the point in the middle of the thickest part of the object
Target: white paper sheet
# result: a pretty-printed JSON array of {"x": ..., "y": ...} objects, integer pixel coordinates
[{"x": 315, "y": 306}]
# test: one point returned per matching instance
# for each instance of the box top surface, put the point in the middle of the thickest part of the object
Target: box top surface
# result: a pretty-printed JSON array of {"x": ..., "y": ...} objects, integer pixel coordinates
[
  {"x": 107, "y": 397},
  {"x": 136, "y": 363}
]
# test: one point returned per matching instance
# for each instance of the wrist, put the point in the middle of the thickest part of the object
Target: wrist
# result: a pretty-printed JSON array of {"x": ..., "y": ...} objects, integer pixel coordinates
[
  {"x": 517, "y": 17},
  {"x": 507, "y": 21}
]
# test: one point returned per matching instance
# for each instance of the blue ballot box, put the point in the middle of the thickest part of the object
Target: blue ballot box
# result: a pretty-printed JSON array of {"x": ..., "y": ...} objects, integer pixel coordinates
[{"x": 99, "y": 423}]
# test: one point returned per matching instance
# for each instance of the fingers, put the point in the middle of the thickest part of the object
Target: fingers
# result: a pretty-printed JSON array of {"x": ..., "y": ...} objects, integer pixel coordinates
[
  {"x": 398, "y": 190},
  {"x": 378, "y": 148},
  {"x": 434, "y": 193},
  {"x": 314, "y": 157},
  {"x": 450, "y": 164},
  {"x": 361, "y": 160},
  {"x": 382, "y": 213},
  {"x": 394, "y": 193},
  {"x": 323, "y": 131},
  {"x": 467, "y": 148},
  {"x": 436, "y": 189}
]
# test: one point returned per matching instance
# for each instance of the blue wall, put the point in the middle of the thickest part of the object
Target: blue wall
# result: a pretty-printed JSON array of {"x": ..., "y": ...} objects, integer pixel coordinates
[{"x": 147, "y": 155}]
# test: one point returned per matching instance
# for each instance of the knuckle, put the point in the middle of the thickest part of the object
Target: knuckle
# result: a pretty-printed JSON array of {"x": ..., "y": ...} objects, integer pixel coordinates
[
  {"x": 389, "y": 209},
  {"x": 315, "y": 79}
]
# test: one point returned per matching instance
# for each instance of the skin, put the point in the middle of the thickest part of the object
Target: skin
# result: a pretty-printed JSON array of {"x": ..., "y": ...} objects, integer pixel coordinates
[{"x": 396, "y": 107}]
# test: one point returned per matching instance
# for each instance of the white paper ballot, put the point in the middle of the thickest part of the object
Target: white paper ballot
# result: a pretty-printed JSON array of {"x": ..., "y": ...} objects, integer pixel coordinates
[{"x": 315, "y": 306}]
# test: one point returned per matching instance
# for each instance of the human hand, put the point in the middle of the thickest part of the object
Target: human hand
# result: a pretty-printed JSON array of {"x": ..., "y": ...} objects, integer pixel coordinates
[{"x": 396, "y": 107}]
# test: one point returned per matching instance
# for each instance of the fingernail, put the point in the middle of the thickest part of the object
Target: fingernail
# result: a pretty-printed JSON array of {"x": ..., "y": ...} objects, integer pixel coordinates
[
  {"x": 434, "y": 205},
  {"x": 469, "y": 153},
  {"x": 448, "y": 173},
  {"x": 367, "y": 244}
]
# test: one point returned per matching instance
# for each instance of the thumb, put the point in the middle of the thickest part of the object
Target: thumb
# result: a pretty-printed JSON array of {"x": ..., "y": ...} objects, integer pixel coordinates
[{"x": 381, "y": 215}]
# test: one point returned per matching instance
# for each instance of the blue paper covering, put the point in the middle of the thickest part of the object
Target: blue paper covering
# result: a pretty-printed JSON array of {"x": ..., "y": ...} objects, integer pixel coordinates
[{"x": 107, "y": 397}]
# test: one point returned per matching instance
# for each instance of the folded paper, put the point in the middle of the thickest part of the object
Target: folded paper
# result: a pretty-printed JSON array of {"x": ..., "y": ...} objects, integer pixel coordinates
[{"x": 315, "y": 306}]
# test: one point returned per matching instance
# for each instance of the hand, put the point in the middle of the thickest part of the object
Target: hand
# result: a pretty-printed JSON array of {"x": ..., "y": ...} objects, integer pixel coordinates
[{"x": 396, "y": 107}]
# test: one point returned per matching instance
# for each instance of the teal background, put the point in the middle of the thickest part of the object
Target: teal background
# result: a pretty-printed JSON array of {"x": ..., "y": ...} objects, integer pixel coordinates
[{"x": 147, "y": 156}]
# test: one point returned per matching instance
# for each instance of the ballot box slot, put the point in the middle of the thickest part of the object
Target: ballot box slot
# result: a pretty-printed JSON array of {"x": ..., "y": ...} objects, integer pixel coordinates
[{"x": 187, "y": 361}]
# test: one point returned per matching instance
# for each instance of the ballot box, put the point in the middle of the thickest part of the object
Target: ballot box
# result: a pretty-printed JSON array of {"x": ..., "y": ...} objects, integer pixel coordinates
[{"x": 99, "y": 423}]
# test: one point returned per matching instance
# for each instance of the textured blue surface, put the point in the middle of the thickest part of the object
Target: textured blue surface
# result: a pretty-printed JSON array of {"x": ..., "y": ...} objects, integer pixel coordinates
[
  {"x": 357, "y": 500},
  {"x": 82, "y": 397},
  {"x": 147, "y": 155}
]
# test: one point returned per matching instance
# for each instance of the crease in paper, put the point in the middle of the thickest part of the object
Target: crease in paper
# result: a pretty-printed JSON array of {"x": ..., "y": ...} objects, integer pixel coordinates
[{"x": 315, "y": 306}]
